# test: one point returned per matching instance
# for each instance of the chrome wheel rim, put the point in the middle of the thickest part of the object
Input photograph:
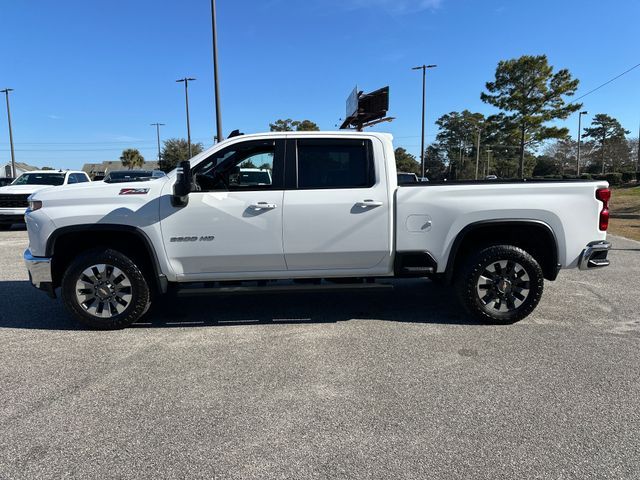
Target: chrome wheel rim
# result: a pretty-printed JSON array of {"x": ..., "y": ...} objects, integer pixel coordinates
[
  {"x": 103, "y": 290},
  {"x": 503, "y": 286}
]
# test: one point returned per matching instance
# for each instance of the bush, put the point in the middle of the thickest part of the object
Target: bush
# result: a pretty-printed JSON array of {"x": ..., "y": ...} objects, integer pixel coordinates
[
  {"x": 628, "y": 176},
  {"x": 586, "y": 176},
  {"x": 612, "y": 178}
]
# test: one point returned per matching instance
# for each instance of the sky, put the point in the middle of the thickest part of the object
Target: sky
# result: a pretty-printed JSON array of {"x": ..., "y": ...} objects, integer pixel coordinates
[{"x": 90, "y": 77}]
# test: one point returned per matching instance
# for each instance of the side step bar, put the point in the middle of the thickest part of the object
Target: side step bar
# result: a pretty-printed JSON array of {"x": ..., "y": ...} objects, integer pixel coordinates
[{"x": 200, "y": 291}]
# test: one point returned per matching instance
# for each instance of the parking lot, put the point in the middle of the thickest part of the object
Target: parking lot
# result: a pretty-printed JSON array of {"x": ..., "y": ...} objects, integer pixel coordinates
[{"x": 369, "y": 385}]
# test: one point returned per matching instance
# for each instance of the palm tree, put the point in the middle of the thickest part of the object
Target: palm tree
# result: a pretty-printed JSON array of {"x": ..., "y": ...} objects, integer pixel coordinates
[{"x": 131, "y": 158}]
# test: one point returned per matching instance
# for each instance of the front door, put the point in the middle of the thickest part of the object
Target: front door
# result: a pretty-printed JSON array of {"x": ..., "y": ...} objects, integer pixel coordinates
[
  {"x": 337, "y": 213},
  {"x": 233, "y": 222}
]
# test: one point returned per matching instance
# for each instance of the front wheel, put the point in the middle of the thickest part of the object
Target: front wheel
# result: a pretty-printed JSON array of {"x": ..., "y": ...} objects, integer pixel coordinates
[
  {"x": 105, "y": 289},
  {"x": 501, "y": 284}
]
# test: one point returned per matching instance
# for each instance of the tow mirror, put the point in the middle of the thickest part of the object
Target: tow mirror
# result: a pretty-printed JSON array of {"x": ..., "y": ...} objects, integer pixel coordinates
[{"x": 182, "y": 187}]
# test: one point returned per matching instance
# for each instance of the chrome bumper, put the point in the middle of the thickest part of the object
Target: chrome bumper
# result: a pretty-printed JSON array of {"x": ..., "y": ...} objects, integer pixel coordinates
[
  {"x": 595, "y": 255},
  {"x": 39, "y": 271}
]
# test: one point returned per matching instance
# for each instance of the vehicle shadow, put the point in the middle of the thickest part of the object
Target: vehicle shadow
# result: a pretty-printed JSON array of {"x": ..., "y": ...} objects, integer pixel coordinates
[{"x": 413, "y": 301}]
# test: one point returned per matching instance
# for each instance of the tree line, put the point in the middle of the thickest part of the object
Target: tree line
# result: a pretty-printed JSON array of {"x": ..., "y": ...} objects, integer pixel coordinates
[{"x": 520, "y": 140}]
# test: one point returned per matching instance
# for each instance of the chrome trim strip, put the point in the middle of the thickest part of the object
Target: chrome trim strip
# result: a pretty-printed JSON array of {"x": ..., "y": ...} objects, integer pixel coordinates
[
  {"x": 39, "y": 268},
  {"x": 587, "y": 253}
]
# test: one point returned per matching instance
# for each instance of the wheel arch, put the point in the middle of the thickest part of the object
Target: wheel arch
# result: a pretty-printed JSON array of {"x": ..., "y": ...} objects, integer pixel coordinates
[
  {"x": 534, "y": 236},
  {"x": 67, "y": 242}
]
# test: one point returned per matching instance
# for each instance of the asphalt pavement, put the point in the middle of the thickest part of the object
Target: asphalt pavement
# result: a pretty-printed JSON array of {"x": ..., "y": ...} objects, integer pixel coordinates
[{"x": 396, "y": 384}]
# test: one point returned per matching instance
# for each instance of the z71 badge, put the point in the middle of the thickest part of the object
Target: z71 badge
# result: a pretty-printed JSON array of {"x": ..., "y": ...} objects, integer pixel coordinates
[{"x": 134, "y": 191}]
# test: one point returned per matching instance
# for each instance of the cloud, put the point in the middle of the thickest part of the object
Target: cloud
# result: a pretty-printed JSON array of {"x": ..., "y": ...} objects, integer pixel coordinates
[
  {"x": 54, "y": 117},
  {"x": 398, "y": 7}
]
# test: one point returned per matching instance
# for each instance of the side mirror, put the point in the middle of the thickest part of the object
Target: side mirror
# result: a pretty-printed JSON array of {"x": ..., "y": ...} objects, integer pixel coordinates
[{"x": 182, "y": 187}]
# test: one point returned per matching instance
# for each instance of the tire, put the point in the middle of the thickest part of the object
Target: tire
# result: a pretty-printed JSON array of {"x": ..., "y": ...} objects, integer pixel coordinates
[
  {"x": 105, "y": 290},
  {"x": 492, "y": 284}
]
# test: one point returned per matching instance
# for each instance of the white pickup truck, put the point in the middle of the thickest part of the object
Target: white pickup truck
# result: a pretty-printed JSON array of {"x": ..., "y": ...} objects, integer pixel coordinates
[
  {"x": 14, "y": 197},
  {"x": 331, "y": 216}
]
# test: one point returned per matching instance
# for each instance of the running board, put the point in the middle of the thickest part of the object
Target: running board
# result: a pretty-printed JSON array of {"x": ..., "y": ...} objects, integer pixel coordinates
[{"x": 192, "y": 291}]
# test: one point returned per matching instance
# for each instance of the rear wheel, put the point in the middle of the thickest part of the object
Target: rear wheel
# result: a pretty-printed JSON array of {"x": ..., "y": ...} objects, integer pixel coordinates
[
  {"x": 500, "y": 284},
  {"x": 106, "y": 290}
]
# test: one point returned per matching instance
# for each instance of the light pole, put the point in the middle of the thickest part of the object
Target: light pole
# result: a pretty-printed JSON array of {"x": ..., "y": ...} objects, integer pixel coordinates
[
  {"x": 216, "y": 86},
  {"x": 478, "y": 152},
  {"x": 158, "y": 125},
  {"x": 424, "y": 83},
  {"x": 186, "y": 81},
  {"x": 579, "y": 141},
  {"x": 13, "y": 155},
  {"x": 488, "y": 160},
  {"x": 638, "y": 156}
]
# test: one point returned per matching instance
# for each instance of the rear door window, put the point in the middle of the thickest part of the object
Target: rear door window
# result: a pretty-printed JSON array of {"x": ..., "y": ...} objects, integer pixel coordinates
[{"x": 334, "y": 163}]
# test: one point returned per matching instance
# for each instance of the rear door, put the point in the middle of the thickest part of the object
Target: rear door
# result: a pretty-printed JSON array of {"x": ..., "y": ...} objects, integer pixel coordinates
[{"x": 337, "y": 213}]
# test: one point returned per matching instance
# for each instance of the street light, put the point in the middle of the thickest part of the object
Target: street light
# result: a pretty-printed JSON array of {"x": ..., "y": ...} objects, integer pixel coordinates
[
  {"x": 158, "y": 125},
  {"x": 488, "y": 160},
  {"x": 579, "y": 135},
  {"x": 478, "y": 151},
  {"x": 186, "y": 81},
  {"x": 424, "y": 75},
  {"x": 13, "y": 155},
  {"x": 216, "y": 87}
]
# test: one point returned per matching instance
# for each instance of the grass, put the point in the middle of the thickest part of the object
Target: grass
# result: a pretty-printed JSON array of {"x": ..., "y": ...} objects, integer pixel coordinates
[{"x": 626, "y": 201}]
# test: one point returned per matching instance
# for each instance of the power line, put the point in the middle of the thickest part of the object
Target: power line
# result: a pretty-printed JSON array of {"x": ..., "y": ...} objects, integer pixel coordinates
[{"x": 607, "y": 82}]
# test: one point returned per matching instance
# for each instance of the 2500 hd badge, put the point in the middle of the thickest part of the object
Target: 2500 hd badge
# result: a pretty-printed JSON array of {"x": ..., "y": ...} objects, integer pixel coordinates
[{"x": 204, "y": 238}]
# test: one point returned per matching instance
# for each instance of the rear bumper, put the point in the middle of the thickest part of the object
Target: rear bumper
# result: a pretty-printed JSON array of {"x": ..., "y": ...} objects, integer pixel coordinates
[
  {"x": 39, "y": 272},
  {"x": 595, "y": 255}
]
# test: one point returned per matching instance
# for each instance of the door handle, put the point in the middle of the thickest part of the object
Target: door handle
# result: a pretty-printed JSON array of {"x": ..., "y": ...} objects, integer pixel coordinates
[
  {"x": 369, "y": 204},
  {"x": 263, "y": 206}
]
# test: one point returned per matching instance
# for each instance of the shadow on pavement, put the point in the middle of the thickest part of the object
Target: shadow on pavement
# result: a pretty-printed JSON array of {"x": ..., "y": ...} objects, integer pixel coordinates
[{"x": 416, "y": 301}]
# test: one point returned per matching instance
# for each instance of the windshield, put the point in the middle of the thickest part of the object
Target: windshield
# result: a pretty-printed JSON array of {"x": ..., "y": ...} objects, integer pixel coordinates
[{"x": 40, "y": 179}]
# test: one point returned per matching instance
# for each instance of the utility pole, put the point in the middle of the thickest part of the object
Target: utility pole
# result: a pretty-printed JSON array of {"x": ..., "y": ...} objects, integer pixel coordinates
[
  {"x": 579, "y": 141},
  {"x": 186, "y": 81},
  {"x": 424, "y": 83},
  {"x": 638, "y": 157},
  {"x": 489, "y": 160},
  {"x": 459, "y": 166},
  {"x": 478, "y": 152},
  {"x": 13, "y": 155},
  {"x": 216, "y": 86},
  {"x": 158, "y": 125},
  {"x": 604, "y": 138}
]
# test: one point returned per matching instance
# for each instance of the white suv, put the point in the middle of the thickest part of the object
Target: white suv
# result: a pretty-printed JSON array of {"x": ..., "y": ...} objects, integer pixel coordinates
[{"x": 14, "y": 197}]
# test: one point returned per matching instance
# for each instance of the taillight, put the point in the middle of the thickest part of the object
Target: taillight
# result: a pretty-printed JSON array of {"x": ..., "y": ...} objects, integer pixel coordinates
[{"x": 604, "y": 195}]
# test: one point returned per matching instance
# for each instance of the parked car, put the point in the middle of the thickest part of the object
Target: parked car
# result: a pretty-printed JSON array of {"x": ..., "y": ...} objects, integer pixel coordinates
[
  {"x": 119, "y": 176},
  {"x": 4, "y": 181},
  {"x": 334, "y": 210},
  {"x": 13, "y": 198},
  {"x": 254, "y": 176},
  {"x": 405, "y": 178}
]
